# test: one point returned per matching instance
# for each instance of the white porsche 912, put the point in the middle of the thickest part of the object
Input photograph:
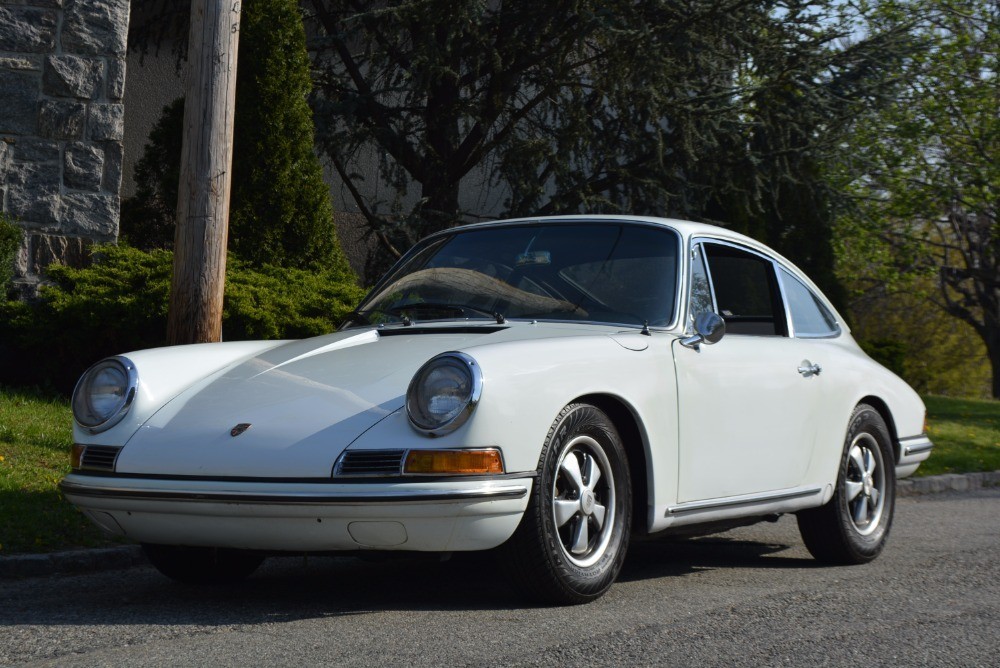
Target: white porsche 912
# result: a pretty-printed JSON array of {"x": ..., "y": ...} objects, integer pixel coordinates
[{"x": 549, "y": 387}]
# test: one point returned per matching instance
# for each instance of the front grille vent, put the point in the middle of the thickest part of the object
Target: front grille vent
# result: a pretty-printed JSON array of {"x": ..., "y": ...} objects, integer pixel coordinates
[
  {"x": 370, "y": 462},
  {"x": 100, "y": 457}
]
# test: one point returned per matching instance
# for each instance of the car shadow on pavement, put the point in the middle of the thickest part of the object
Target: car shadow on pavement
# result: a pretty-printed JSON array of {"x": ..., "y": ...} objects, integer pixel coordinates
[
  {"x": 294, "y": 588},
  {"x": 672, "y": 556}
]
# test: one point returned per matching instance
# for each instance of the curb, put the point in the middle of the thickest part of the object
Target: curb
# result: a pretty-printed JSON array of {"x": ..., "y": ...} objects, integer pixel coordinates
[
  {"x": 127, "y": 556},
  {"x": 71, "y": 562},
  {"x": 949, "y": 482}
]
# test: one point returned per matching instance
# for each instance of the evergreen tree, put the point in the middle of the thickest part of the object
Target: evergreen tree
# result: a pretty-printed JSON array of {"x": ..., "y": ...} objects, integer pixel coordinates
[
  {"x": 721, "y": 110},
  {"x": 280, "y": 210}
]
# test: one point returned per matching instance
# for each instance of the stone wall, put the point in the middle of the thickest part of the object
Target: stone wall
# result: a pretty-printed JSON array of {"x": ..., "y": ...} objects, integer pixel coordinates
[{"x": 62, "y": 79}]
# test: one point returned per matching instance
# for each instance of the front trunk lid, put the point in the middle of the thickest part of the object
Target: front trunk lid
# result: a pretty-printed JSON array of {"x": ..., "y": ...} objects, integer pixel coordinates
[{"x": 287, "y": 413}]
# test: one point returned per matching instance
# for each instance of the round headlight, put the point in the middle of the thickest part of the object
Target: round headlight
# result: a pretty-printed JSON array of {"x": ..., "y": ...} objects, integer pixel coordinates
[
  {"x": 443, "y": 393},
  {"x": 104, "y": 394}
]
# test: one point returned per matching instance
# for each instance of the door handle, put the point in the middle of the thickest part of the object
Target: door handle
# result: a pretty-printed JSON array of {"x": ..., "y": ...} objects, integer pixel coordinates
[{"x": 807, "y": 368}]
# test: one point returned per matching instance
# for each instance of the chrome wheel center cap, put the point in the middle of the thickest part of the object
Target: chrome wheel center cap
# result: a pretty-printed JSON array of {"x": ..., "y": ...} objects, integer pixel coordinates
[
  {"x": 587, "y": 502},
  {"x": 868, "y": 485}
]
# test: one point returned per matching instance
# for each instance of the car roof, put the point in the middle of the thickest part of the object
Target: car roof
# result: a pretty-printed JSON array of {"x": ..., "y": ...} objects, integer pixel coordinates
[{"x": 685, "y": 228}]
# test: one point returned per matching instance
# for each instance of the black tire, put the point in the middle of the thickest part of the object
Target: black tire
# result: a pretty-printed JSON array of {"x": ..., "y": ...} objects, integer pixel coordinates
[
  {"x": 202, "y": 565},
  {"x": 572, "y": 540},
  {"x": 853, "y": 527}
]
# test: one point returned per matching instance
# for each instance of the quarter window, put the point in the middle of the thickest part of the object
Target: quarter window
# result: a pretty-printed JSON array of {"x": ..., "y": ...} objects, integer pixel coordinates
[
  {"x": 810, "y": 317},
  {"x": 701, "y": 289}
]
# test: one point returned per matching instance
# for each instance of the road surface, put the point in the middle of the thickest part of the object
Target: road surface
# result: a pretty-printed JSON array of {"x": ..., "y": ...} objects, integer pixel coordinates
[{"x": 748, "y": 597}]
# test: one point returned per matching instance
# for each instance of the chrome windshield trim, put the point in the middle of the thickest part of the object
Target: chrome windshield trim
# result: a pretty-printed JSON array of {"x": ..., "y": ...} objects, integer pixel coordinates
[
  {"x": 439, "y": 236},
  {"x": 714, "y": 504},
  {"x": 301, "y": 498}
]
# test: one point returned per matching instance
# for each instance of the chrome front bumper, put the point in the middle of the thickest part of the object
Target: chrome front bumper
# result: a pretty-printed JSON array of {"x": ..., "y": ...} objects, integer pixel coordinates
[{"x": 470, "y": 514}]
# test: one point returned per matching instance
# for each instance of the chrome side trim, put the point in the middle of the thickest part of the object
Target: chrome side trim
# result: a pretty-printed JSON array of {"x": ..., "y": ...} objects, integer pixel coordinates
[
  {"x": 300, "y": 498},
  {"x": 702, "y": 506},
  {"x": 915, "y": 445}
]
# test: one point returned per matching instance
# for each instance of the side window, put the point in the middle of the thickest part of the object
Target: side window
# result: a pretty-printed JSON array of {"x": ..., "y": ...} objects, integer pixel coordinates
[
  {"x": 810, "y": 318},
  {"x": 701, "y": 289},
  {"x": 746, "y": 291}
]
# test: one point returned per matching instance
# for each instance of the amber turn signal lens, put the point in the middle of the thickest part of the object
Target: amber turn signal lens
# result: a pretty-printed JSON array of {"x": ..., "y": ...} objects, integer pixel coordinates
[
  {"x": 77, "y": 456},
  {"x": 452, "y": 462}
]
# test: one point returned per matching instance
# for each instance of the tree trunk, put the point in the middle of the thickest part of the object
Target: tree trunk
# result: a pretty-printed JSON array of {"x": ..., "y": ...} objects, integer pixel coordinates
[
  {"x": 196, "y": 291},
  {"x": 441, "y": 180},
  {"x": 440, "y": 208}
]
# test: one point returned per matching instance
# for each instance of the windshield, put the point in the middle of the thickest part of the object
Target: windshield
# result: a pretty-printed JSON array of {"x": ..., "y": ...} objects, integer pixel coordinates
[{"x": 614, "y": 273}]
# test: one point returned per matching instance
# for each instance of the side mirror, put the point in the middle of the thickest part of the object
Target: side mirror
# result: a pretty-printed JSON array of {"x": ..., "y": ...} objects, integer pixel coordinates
[{"x": 709, "y": 328}]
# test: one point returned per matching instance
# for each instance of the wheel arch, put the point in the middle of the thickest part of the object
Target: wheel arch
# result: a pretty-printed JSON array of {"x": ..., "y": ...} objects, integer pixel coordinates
[
  {"x": 883, "y": 410},
  {"x": 635, "y": 443}
]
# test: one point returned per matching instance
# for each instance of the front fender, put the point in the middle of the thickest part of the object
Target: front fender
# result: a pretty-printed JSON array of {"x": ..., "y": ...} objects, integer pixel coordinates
[{"x": 527, "y": 383}]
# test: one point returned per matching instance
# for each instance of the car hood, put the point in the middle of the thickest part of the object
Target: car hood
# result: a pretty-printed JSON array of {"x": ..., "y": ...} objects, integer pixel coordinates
[{"x": 304, "y": 402}]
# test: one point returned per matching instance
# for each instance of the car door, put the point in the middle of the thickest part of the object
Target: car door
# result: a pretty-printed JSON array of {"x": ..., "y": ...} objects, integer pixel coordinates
[{"x": 747, "y": 404}]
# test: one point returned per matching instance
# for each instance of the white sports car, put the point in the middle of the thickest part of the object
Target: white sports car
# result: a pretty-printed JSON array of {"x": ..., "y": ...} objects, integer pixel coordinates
[{"x": 549, "y": 387}]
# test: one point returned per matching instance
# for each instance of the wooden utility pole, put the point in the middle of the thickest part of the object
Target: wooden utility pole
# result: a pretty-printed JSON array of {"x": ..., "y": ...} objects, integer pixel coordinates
[{"x": 196, "y": 291}]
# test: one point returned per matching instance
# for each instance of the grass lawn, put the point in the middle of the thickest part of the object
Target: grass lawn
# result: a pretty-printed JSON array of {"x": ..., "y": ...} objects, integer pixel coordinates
[
  {"x": 35, "y": 440},
  {"x": 966, "y": 435}
]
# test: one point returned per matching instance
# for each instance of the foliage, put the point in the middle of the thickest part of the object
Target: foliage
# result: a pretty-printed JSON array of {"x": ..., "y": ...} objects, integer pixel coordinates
[
  {"x": 120, "y": 304},
  {"x": 933, "y": 352},
  {"x": 285, "y": 303},
  {"x": 966, "y": 435},
  {"x": 280, "y": 210},
  {"x": 117, "y": 304},
  {"x": 927, "y": 170},
  {"x": 894, "y": 318},
  {"x": 806, "y": 79},
  {"x": 720, "y": 110},
  {"x": 35, "y": 440},
  {"x": 10, "y": 241},
  {"x": 440, "y": 111}
]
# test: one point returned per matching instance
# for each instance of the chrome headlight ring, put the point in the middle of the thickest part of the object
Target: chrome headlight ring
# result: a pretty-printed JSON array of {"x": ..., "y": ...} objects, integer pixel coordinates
[
  {"x": 443, "y": 393},
  {"x": 104, "y": 394}
]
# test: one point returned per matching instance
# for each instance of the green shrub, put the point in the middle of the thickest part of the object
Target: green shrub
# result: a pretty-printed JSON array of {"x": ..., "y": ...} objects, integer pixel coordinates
[
  {"x": 120, "y": 302},
  {"x": 281, "y": 212},
  {"x": 10, "y": 241},
  {"x": 285, "y": 303}
]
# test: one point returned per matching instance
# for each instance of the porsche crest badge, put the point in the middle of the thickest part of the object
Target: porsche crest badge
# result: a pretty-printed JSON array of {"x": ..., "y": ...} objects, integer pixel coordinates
[{"x": 239, "y": 429}]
